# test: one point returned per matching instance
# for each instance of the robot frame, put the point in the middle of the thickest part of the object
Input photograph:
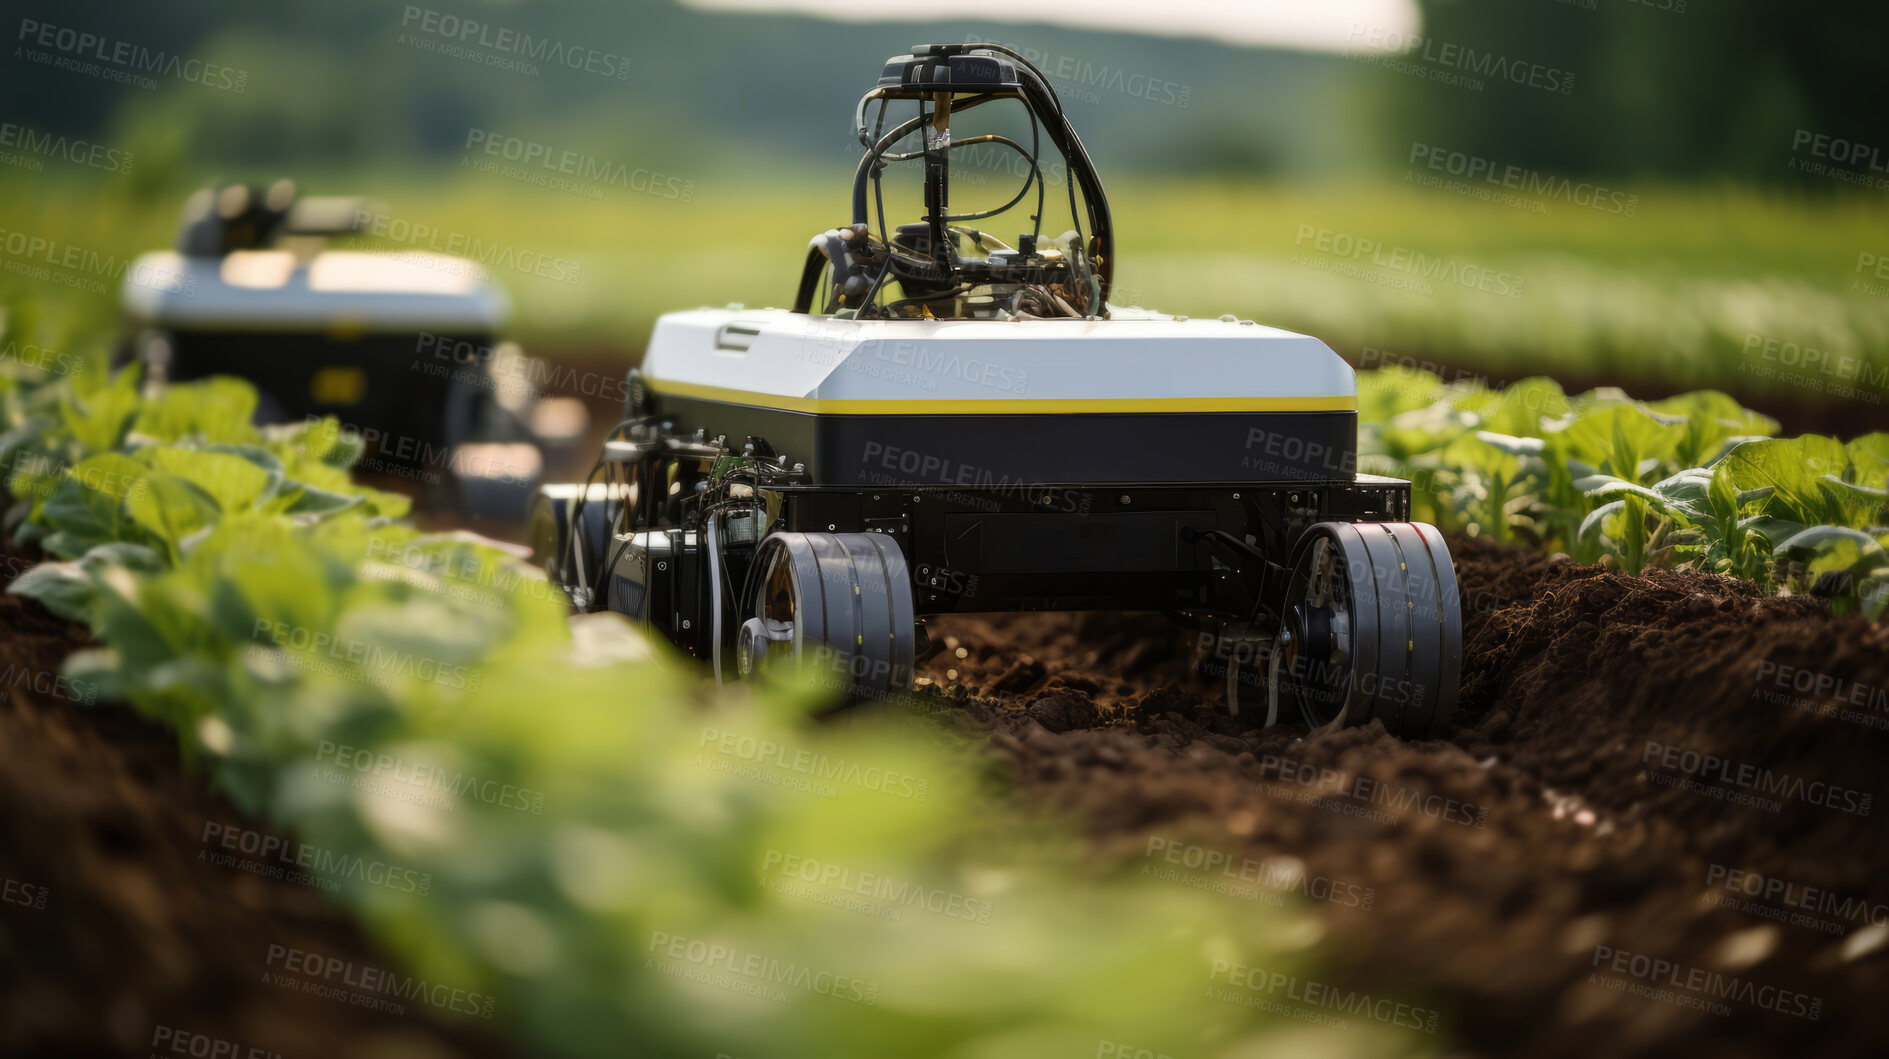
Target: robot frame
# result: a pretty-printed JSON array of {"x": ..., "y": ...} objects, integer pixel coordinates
[{"x": 806, "y": 487}]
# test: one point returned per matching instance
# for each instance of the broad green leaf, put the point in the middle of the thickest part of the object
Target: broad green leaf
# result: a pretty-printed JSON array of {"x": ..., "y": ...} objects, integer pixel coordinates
[
  {"x": 1524, "y": 404},
  {"x": 1688, "y": 487},
  {"x": 214, "y": 409},
  {"x": 1514, "y": 446},
  {"x": 324, "y": 440},
  {"x": 233, "y": 482},
  {"x": 171, "y": 509},
  {"x": 308, "y": 500},
  {"x": 1791, "y": 468},
  {"x": 95, "y": 671},
  {"x": 1873, "y": 594},
  {"x": 89, "y": 507},
  {"x": 1619, "y": 438},
  {"x": 256, "y": 454},
  {"x": 100, "y": 419},
  {"x": 1869, "y": 460},
  {"x": 1821, "y": 536},
  {"x": 1603, "y": 486},
  {"x": 65, "y": 589},
  {"x": 1594, "y": 524},
  {"x": 1774, "y": 530},
  {"x": 264, "y": 571},
  {"x": 1711, "y": 418},
  {"x": 1854, "y": 505}
]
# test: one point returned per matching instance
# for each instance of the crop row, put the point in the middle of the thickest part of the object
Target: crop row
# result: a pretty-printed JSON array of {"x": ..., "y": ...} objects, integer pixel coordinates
[
  {"x": 1693, "y": 481},
  {"x": 547, "y": 822}
]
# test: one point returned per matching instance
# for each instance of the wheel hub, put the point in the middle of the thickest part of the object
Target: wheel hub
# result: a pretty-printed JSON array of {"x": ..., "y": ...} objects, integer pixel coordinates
[{"x": 755, "y": 640}]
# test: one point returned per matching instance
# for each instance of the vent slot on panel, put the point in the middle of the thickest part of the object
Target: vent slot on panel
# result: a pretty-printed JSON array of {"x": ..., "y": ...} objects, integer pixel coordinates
[{"x": 736, "y": 338}]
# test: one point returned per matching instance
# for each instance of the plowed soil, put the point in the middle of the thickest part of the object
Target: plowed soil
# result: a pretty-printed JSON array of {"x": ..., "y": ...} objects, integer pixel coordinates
[
  {"x": 1651, "y": 830},
  {"x": 118, "y": 934}
]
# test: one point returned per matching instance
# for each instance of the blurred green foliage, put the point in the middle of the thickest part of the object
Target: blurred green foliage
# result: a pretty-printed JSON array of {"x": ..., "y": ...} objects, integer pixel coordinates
[
  {"x": 1689, "y": 248},
  {"x": 1660, "y": 88},
  {"x": 1704, "y": 287},
  {"x": 565, "y": 825},
  {"x": 1690, "y": 481}
]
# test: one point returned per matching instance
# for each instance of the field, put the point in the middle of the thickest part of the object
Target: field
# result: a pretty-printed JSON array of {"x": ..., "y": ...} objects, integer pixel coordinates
[
  {"x": 1484, "y": 886},
  {"x": 1756, "y": 293},
  {"x": 1648, "y": 829}
]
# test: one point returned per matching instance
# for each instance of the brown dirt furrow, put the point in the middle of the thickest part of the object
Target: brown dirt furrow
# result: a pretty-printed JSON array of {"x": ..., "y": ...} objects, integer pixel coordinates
[
  {"x": 1593, "y": 798},
  {"x": 115, "y": 937}
]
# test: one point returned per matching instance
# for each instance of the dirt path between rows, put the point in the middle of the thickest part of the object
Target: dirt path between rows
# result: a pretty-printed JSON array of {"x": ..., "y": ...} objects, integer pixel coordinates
[
  {"x": 1567, "y": 873},
  {"x": 1521, "y": 877},
  {"x": 121, "y": 934}
]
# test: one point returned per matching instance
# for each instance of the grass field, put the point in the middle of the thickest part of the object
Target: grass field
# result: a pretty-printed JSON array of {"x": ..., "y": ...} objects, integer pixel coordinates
[{"x": 1681, "y": 287}]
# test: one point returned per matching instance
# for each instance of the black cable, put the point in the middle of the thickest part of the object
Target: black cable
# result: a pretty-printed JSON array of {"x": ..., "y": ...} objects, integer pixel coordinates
[
  {"x": 583, "y": 495},
  {"x": 1036, "y": 156},
  {"x": 872, "y": 292},
  {"x": 958, "y": 291},
  {"x": 1034, "y": 176},
  {"x": 878, "y": 170}
]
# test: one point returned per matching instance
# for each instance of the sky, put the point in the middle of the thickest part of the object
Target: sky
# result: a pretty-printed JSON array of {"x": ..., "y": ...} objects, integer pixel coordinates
[{"x": 1316, "y": 25}]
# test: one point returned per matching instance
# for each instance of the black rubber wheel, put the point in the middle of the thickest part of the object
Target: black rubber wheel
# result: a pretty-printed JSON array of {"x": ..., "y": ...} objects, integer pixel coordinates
[
  {"x": 838, "y": 606},
  {"x": 1371, "y": 627}
]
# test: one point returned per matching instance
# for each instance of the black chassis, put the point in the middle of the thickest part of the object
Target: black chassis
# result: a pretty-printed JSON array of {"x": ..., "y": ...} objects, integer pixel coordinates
[{"x": 1203, "y": 554}]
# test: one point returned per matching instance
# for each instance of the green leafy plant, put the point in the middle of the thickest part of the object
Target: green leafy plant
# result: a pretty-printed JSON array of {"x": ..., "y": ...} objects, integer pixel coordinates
[
  {"x": 1690, "y": 481},
  {"x": 602, "y": 864}
]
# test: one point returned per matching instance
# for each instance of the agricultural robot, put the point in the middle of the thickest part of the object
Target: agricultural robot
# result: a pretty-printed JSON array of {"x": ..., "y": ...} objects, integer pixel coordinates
[
  {"x": 952, "y": 418},
  {"x": 401, "y": 346}
]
